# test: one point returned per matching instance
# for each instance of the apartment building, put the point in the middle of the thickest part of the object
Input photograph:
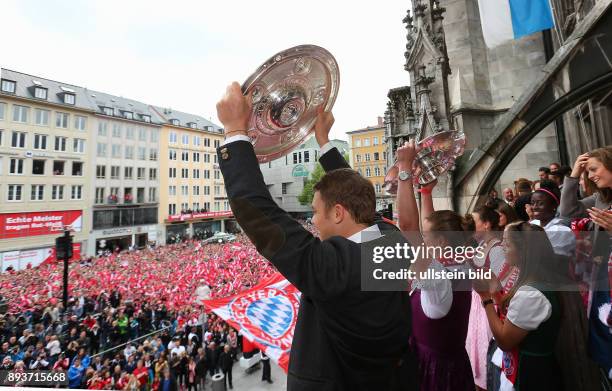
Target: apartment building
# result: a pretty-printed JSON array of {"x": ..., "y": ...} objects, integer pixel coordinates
[{"x": 44, "y": 138}]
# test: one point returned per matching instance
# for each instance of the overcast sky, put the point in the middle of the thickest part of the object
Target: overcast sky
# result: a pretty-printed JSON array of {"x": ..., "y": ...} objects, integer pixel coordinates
[{"x": 182, "y": 54}]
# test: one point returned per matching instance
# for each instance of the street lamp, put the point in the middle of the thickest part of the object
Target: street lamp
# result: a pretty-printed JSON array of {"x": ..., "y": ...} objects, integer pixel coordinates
[{"x": 63, "y": 250}]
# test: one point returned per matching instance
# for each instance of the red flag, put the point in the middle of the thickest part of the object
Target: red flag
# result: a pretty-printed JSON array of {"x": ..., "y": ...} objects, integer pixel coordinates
[{"x": 265, "y": 315}]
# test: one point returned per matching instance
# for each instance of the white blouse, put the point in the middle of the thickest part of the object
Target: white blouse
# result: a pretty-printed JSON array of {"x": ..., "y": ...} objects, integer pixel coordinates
[
  {"x": 561, "y": 237},
  {"x": 528, "y": 308}
]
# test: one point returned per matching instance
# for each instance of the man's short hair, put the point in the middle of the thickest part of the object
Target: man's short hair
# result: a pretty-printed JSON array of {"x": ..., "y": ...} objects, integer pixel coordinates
[
  {"x": 544, "y": 169},
  {"x": 348, "y": 188}
]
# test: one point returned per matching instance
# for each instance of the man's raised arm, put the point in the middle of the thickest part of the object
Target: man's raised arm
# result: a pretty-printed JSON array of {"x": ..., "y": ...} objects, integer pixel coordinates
[{"x": 316, "y": 268}]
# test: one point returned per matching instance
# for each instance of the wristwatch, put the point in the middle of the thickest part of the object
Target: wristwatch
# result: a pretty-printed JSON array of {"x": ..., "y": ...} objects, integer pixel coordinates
[
  {"x": 404, "y": 175},
  {"x": 485, "y": 303}
]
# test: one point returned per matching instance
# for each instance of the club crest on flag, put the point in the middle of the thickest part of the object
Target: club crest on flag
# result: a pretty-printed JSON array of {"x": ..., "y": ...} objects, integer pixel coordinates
[{"x": 269, "y": 314}]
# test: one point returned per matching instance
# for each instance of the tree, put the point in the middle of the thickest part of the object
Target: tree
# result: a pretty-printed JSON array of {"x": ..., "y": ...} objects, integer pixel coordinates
[{"x": 308, "y": 192}]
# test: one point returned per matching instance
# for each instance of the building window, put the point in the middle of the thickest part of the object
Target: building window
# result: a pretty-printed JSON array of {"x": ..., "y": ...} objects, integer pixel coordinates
[
  {"x": 152, "y": 174},
  {"x": 101, "y": 172},
  {"x": 129, "y": 152},
  {"x": 41, "y": 117},
  {"x": 40, "y": 93},
  {"x": 37, "y": 193},
  {"x": 140, "y": 195},
  {"x": 115, "y": 172},
  {"x": 192, "y": 125},
  {"x": 145, "y": 118},
  {"x": 18, "y": 140},
  {"x": 102, "y": 129},
  {"x": 117, "y": 130},
  {"x": 295, "y": 158},
  {"x": 206, "y": 174},
  {"x": 206, "y": 190},
  {"x": 185, "y": 139},
  {"x": 140, "y": 173},
  {"x": 61, "y": 120},
  {"x": 366, "y": 142},
  {"x": 375, "y": 140},
  {"x": 358, "y": 142},
  {"x": 358, "y": 158},
  {"x": 129, "y": 133},
  {"x": 1, "y": 138},
  {"x": 378, "y": 189},
  {"x": 16, "y": 166},
  {"x": 184, "y": 190},
  {"x": 80, "y": 123},
  {"x": 142, "y": 134},
  {"x": 184, "y": 173},
  {"x": 384, "y": 155},
  {"x": 196, "y": 141},
  {"x": 69, "y": 99},
  {"x": 38, "y": 167},
  {"x": 173, "y": 137},
  {"x": 172, "y": 172},
  {"x": 128, "y": 173},
  {"x": 217, "y": 174},
  {"x": 217, "y": 144},
  {"x": 196, "y": 173},
  {"x": 171, "y": 154},
  {"x": 8, "y": 86},
  {"x": 306, "y": 156},
  {"x": 185, "y": 156},
  {"x": 77, "y": 168},
  {"x": 171, "y": 209},
  {"x": 184, "y": 207},
  {"x": 376, "y": 156},
  {"x": 206, "y": 142},
  {"x": 77, "y": 192},
  {"x": 142, "y": 153},
  {"x": 172, "y": 190},
  {"x": 206, "y": 158},
  {"x": 57, "y": 192},
  {"x": 217, "y": 190},
  {"x": 14, "y": 192},
  {"x": 20, "y": 113},
  {"x": 58, "y": 167},
  {"x": 196, "y": 206},
  {"x": 376, "y": 171},
  {"x": 116, "y": 151},
  {"x": 196, "y": 157},
  {"x": 108, "y": 110},
  {"x": 60, "y": 143},
  {"x": 285, "y": 186},
  {"x": 174, "y": 122},
  {"x": 153, "y": 154},
  {"x": 368, "y": 172},
  {"x": 154, "y": 136},
  {"x": 78, "y": 145},
  {"x": 196, "y": 190},
  {"x": 2, "y": 110},
  {"x": 40, "y": 141},
  {"x": 152, "y": 194},
  {"x": 99, "y": 195},
  {"x": 128, "y": 114}
]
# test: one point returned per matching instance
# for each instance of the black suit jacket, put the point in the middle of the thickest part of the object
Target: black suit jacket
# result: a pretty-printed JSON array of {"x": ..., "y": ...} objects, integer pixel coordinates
[{"x": 345, "y": 338}]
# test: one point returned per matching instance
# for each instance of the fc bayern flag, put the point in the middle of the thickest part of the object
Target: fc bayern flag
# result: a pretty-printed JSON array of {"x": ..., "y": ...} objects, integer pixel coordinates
[{"x": 265, "y": 314}]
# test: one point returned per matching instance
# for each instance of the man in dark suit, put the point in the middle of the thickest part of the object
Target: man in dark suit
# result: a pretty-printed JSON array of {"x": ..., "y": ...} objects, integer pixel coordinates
[{"x": 345, "y": 338}]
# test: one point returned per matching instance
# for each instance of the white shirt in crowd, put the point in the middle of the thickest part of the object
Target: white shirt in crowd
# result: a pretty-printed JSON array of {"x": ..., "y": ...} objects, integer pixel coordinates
[
  {"x": 561, "y": 237},
  {"x": 177, "y": 350},
  {"x": 54, "y": 348}
]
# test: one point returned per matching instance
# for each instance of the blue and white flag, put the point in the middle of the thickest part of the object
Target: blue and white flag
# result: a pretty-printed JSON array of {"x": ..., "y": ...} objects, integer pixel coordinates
[{"x": 504, "y": 20}]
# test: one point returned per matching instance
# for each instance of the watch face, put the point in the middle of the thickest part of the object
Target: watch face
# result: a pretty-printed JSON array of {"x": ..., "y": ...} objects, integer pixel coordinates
[{"x": 403, "y": 175}]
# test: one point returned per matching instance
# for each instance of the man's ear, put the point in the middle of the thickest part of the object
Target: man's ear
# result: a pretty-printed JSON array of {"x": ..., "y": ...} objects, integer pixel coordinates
[{"x": 339, "y": 214}]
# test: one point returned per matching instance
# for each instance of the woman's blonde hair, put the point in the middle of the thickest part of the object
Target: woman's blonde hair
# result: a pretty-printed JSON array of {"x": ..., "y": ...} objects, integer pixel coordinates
[{"x": 604, "y": 155}]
